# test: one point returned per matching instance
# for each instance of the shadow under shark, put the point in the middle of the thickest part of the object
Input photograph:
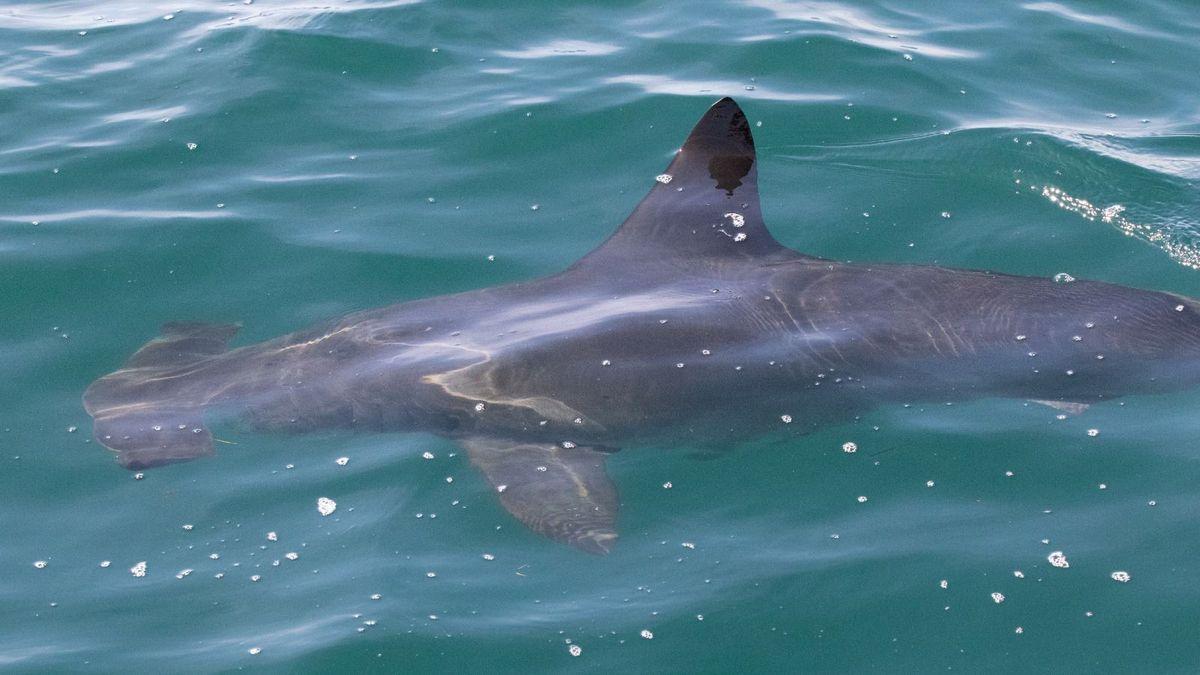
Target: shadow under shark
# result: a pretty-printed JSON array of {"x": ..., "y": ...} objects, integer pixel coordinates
[{"x": 691, "y": 324}]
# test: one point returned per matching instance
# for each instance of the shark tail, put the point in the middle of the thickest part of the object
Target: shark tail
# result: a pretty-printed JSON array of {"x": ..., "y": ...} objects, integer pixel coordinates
[{"x": 145, "y": 411}]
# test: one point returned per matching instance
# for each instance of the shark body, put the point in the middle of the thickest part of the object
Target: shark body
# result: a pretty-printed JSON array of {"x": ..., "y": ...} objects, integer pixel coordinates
[{"x": 691, "y": 324}]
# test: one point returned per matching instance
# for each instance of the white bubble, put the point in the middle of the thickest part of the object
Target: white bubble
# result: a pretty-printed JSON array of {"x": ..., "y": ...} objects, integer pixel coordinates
[
  {"x": 326, "y": 506},
  {"x": 138, "y": 570},
  {"x": 647, "y": 634},
  {"x": 1121, "y": 576},
  {"x": 40, "y": 564},
  {"x": 664, "y": 178},
  {"x": 997, "y": 598},
  {"x": 575, "y": 650},
  {"x": 787, "y": 419},
  {"x": 849, "y": 447},
  {"x": 342, "y": 461},
  {"x": 1057, "y": 559}
]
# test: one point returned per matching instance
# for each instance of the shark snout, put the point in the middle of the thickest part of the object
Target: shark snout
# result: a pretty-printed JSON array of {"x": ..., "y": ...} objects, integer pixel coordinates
[{"x": 145, "y": 439}]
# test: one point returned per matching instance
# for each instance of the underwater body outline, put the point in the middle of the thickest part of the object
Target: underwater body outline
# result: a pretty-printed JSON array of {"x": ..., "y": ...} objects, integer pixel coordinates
[{"x": 691, "y": 323}]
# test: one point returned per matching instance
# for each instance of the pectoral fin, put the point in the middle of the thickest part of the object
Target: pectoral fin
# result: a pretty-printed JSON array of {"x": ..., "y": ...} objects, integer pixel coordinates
[{"x": 561, "y": 493}]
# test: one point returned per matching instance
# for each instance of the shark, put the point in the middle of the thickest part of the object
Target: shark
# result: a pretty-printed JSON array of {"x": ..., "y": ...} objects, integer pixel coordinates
[{"x": 690, "y": 325}]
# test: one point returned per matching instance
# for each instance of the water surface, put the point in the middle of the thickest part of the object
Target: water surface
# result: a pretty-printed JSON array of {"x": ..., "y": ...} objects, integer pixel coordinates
[{"x": 280, "y": 163}]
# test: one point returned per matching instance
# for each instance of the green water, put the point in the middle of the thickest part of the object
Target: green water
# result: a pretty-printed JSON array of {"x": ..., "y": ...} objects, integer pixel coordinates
[{"x": 360, "y": 153}]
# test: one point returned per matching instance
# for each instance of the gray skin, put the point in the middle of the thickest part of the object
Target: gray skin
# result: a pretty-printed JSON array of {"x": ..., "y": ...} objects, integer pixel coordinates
[{"x": 690, "y": 325}]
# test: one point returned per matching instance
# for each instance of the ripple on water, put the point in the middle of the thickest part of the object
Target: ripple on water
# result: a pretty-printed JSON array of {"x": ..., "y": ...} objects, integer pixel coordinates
[
  {"x": 557, "y": 48},
  {"x": 325, "y": 126}
]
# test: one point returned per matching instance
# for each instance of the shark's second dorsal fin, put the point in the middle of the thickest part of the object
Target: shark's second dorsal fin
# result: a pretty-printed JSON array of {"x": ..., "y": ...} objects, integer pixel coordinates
[{"x": 705, "y": 205}]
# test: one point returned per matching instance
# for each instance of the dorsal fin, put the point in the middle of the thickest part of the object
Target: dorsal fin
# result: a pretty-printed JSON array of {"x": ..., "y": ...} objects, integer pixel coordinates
[{"x": 705, "y": 205}]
